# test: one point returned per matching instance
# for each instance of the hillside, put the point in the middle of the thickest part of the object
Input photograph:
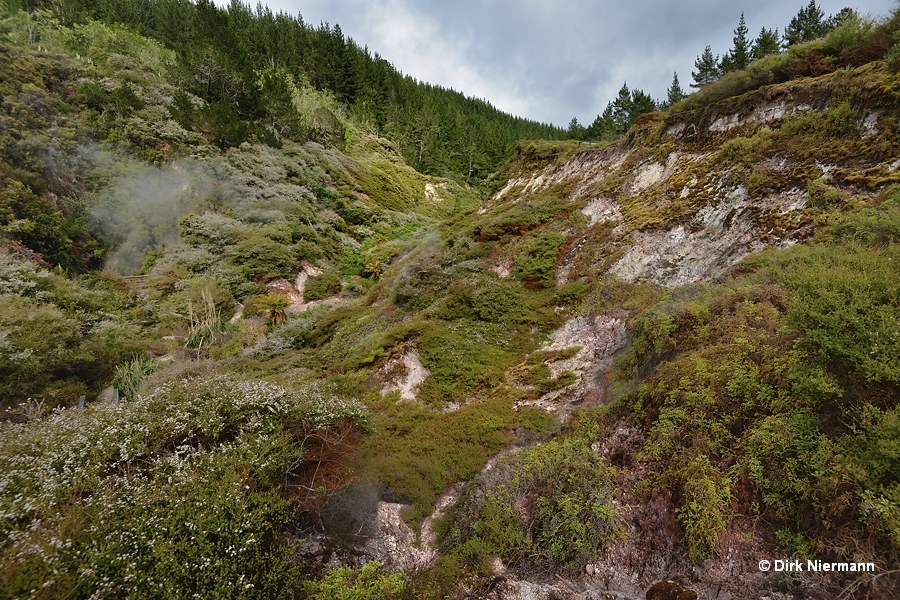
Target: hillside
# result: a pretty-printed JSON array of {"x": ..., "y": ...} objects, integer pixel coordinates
[{"x": 346, "y": 373}]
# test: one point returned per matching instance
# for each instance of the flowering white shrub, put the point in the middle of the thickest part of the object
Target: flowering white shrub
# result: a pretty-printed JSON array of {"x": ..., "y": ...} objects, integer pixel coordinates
[
  {"x": 177, "y": 494},
  {"x": 18, "y": 277},
  {"x": 324, "y": 410}
]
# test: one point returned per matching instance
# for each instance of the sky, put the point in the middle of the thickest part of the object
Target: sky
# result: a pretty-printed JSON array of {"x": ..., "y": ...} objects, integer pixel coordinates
[{"x": 551, "y": 60}]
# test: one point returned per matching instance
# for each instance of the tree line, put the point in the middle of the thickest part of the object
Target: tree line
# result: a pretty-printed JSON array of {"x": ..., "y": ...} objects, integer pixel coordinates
[
  {"x": 810, "y": 23},
  {"x": 270, "y": 76}
]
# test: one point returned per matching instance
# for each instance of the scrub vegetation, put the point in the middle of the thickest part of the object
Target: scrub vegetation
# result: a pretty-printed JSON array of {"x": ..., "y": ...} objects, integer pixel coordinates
[{"x": 318, "y": 285}]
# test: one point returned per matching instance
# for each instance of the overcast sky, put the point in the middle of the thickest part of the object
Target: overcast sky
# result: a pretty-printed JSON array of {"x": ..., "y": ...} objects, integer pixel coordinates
[{"x": 551, "y": 60}]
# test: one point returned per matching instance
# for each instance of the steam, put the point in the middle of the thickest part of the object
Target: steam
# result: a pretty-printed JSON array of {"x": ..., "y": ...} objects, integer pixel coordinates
[{"x": 139, "y": 210}]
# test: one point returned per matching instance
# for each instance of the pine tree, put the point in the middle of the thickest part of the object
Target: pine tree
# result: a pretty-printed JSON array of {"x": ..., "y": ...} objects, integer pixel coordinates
[
  {"x": 603, "y": 127},
  {"x": 841, "y": 17},
  {"x": 675, "y": 93},
  {"x": 707, "y": 68},
  {"x": 576, "y": 129},
  {"x": 641, "y": 102},
  {"x": 622, "y": 109},
  {"x": 808, "y": 24},
  {"x": 725, "y": 64},
  {"x": 738, "y": 58},
  {"x": 767, "y": 42},
  {"x": 243, "y": 62},
  {"x": 740, "y": 52},
  {"x": 627, "y": 107}
]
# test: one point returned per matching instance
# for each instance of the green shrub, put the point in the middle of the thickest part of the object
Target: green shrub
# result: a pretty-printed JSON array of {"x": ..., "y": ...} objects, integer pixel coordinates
[
  {"x": 258, "y": 257},
  {"x": 322, "y": 286},
  {"x": 210, "y": 228},
  {"x": 417, "y": 452},
  {"x": 545, "y": 509},
  {"x": 844, "y": 304},
  {"x": 463, "y": 357},
  {"x": 417, "y": 288},
  {"x": 872, "y": 226},
  {"x": 737, "y": 149},
  {"x": 48, "y": 354},
  {"x": 177, "y": 494},
  {"x": 571, "y": 293},
  {"x": 651, "y": 339},
  {"x": 822, "y": 196},
  {"x": 537, "y": 373},
  {"x": 518, "y": 218},
  {"x": 780, "y": 460},
  {"x": 841, "y": 120},
  {"x": 702, "y": 511},
  {"x": 101, "y": 41},
  {"x": 498, "y": 300},
  {"x": 764, "y": 374},
  {"x": 852, "y": 38},
  {"x": 124, "y": 488},
  {"x": 368, "y": 582},
  {"x": 892, "y": 58}
]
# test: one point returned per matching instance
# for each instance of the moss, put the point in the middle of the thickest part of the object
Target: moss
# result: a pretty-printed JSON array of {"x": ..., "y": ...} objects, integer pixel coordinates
[
  {"x": 747, "y": 150},
  {"x": 417, "y": 453},
  {"x": 759, "y": 181},
  {"x": 389, "y": 183},
  {"x": 536, "y": 373},
  {"x": 464, "y": 358},
  {"x": 536, "y": 259},
  {"x": 822, "y": 196},
  {"x": 516, "y": 218}
]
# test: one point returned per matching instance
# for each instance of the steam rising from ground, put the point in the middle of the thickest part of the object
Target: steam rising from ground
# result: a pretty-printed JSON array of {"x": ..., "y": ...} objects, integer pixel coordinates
[{"x": 139, "y": 210}]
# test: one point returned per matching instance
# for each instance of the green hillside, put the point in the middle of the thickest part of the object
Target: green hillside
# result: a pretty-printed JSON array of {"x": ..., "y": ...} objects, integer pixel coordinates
[{"x": 341, "y": 334}]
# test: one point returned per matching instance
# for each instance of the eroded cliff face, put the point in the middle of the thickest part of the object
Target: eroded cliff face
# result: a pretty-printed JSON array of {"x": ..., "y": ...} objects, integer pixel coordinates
[{"x": 685, "y": 199}]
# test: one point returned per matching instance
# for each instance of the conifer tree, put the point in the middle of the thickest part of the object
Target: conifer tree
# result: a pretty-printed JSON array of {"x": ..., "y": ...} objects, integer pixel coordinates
[
  {"x": 766, "y": 43},
  {"x": 839, "y": 18},
  {"x": 603, "y": 127},
  {"x": 675, "y": 93},
  {"x": 622, "y": 109},
  {"x": 738, "y": 58},
  {"x": 808, "y": 24},
  {"x": 707, "y": 68},
  {"x": 740, "y": 52},
  {"x": 245, "y": 65},
  {"x": 641, "y": 103},
  {"x": 576, "y": 129},
  {"x": 725, "y": 64},
  {"x": 627, "y": 107}
]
